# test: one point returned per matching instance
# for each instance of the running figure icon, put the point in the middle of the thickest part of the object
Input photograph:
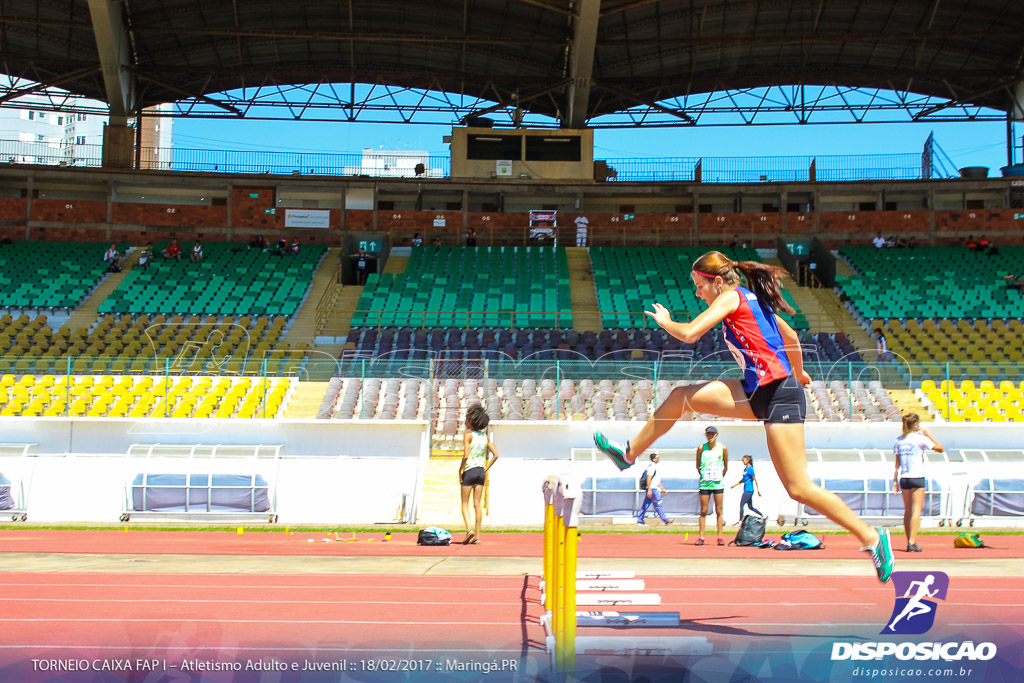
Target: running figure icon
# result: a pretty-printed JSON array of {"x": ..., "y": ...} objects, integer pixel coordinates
[{"x": 916, "y": 605}]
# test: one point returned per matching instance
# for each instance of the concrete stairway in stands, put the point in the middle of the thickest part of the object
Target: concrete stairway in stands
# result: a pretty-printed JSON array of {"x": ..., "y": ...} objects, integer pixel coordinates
[
  {"x": 89, "y": 310},
  {"x": 585, "y": 314},
  {"x": 441, "y": 502},
  {"x": 303, "y": 328},
  {"x": 305, "y": 401},
  {"x": 396, "y": 264},
  {"x": 908, "y": 402}
]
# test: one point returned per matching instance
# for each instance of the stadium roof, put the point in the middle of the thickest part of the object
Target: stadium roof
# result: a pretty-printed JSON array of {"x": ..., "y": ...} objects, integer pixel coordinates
[{"x": 572, "y": 61}]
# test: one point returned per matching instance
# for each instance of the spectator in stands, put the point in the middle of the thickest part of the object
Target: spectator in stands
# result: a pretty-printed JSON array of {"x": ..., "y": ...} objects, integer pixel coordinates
[
  {"x": 909, "y": 477},
  {"x": 582, "y": 228},
  {"x": 172, "y": 250},
  {"x": 197, "y": 252},
  {"x": 880, "y": 345},
  {"x": 890, "y": 241},
  {"x": 879, "y": 241},
  {"x": 281, "y": 248},
  {"x": 983, "y": 244},
  {"x": 258, "y": 242},
  {"x": 293, "y": 248},
  {"x": 417, "y": 241},
  {"x": 146, "y": 255},
  {"x": 712, "y": 464},
  {"x": 1014, "y": 282},
  {"x": 471, "y": 237},
  {"x": 113, "y": 259},
  {"x": 654, "y": 492},
  {"x": 477, "y": 449},
  {"x": 971, "y": 243},
  {"x": 773, "y": 371},
  {"x": 750, "y": 484},
  {"x": 436, "y": 241},
  {"x": 913, "y": 243},
  {"x": 362, "y": 264}
]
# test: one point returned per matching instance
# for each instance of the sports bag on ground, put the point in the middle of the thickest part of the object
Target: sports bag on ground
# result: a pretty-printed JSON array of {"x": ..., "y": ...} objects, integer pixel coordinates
[
  {"x": 799, "y": 540},
  {"x": 968, "y": 541},
  {"x": 751, "y": 531},
  {"x": 434, "y": 535}
]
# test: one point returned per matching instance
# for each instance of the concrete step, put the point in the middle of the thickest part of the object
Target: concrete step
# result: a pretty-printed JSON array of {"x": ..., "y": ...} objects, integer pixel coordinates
[
  {"x": 304, "y": 327},
  {"x": 396, "y": 264},
  {"x": 585, "y": 313},
  {"x": 441, "y": 501},
  {"x": 89, "y": 310},
  {"x": 818, "y": 316},
  {"x": 908, "y": 402},
  {"x": 305, "y": 400}
]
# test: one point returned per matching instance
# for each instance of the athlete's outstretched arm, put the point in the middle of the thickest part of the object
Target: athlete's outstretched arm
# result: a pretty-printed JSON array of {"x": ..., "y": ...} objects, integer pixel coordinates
[
  {"x": 690, "y": 332},
  {"x": 793, "y": 351}
]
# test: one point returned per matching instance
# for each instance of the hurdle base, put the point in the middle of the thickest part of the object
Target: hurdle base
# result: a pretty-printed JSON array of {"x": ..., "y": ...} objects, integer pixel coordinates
[
  {"x": 628, "y": 619},
  {"x": 643, "y": 646},
  {"x": 610, "y": 599}
]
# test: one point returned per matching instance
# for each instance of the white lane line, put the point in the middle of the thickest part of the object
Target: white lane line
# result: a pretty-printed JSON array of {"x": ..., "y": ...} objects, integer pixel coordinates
[
  {"x": 513, "y": 603},
  {"x": 191, "y": 620},
  {"x": 122, "y": 586}
]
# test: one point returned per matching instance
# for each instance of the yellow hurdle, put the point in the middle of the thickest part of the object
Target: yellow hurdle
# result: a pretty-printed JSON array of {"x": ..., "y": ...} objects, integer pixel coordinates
[{"x": 561, "y": 522}]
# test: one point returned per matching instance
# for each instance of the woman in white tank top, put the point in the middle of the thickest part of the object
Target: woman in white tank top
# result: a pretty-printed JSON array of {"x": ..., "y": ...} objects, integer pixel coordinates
[
  {"x": 910, "y": 476},
  {"x": 476, "y": 449}
]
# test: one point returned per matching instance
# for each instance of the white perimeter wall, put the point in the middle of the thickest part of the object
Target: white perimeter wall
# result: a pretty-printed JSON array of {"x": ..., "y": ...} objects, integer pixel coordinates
[{"x": 336, "y": 472}]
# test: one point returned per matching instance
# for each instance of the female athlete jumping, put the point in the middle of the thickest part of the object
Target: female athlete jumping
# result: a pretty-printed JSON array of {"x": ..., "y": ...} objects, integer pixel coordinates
[{"x": 769, "y": 351}]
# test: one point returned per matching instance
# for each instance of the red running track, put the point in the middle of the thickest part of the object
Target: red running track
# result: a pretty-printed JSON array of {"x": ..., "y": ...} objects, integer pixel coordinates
[
  {"x": 309, "y": 617},
  {"x": 255, "y": 542}
]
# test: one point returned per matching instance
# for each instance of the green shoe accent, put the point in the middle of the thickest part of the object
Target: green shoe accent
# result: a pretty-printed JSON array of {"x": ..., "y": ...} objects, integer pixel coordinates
[
  {"x": 881, "y": 556},
  {"x": 615, "y": 451}
]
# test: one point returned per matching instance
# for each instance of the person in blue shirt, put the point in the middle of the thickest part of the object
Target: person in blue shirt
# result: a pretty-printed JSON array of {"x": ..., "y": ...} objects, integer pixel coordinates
[{"x": 750, "y": 484}]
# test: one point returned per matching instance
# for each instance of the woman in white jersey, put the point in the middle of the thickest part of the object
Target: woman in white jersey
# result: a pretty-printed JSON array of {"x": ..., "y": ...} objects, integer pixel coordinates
[
  {"x": 477, "y": 448},
  {"x": 909, "y": 476}
]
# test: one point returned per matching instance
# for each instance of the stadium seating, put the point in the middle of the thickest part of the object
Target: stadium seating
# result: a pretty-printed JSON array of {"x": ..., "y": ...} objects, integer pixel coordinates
[
  {"x": 134, "y": 345},
  {"x": 231, "y": 280},
  {"x": 445, "y": 400},
  {"x": 553, "y": 344},
  {"x": 969, "y": 402},
  {"x": 445, "y": 286},
  {"x": 43, "y": 275},
  {"x": 980, "y": 349},
  {"x": 933, "y": 282},
  {"x": 138, "y": 397},
  {"x": 629, "y": 279}
]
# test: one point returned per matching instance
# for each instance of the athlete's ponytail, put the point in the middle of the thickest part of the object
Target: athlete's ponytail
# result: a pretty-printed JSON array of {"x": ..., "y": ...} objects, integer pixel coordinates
[{"x": 762, "y": 279}]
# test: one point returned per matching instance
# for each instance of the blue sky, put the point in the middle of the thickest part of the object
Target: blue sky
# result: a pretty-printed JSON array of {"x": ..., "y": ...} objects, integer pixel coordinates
[{"x": 967, "y": 144}]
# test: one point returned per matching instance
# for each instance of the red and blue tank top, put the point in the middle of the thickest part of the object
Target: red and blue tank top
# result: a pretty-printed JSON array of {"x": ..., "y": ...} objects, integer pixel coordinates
[{"x": 753, "y": 336}]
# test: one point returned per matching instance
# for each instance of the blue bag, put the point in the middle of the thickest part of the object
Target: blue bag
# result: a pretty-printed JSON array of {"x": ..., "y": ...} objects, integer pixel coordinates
[{"x": 799, "y": 540}]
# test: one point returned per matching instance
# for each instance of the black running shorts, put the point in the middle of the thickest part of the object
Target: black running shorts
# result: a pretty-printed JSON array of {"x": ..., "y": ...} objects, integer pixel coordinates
[
  {"x": 781, "y": 401},
  {"x": 911, "y": 482},
  {"x": 474, "y": 476}
]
